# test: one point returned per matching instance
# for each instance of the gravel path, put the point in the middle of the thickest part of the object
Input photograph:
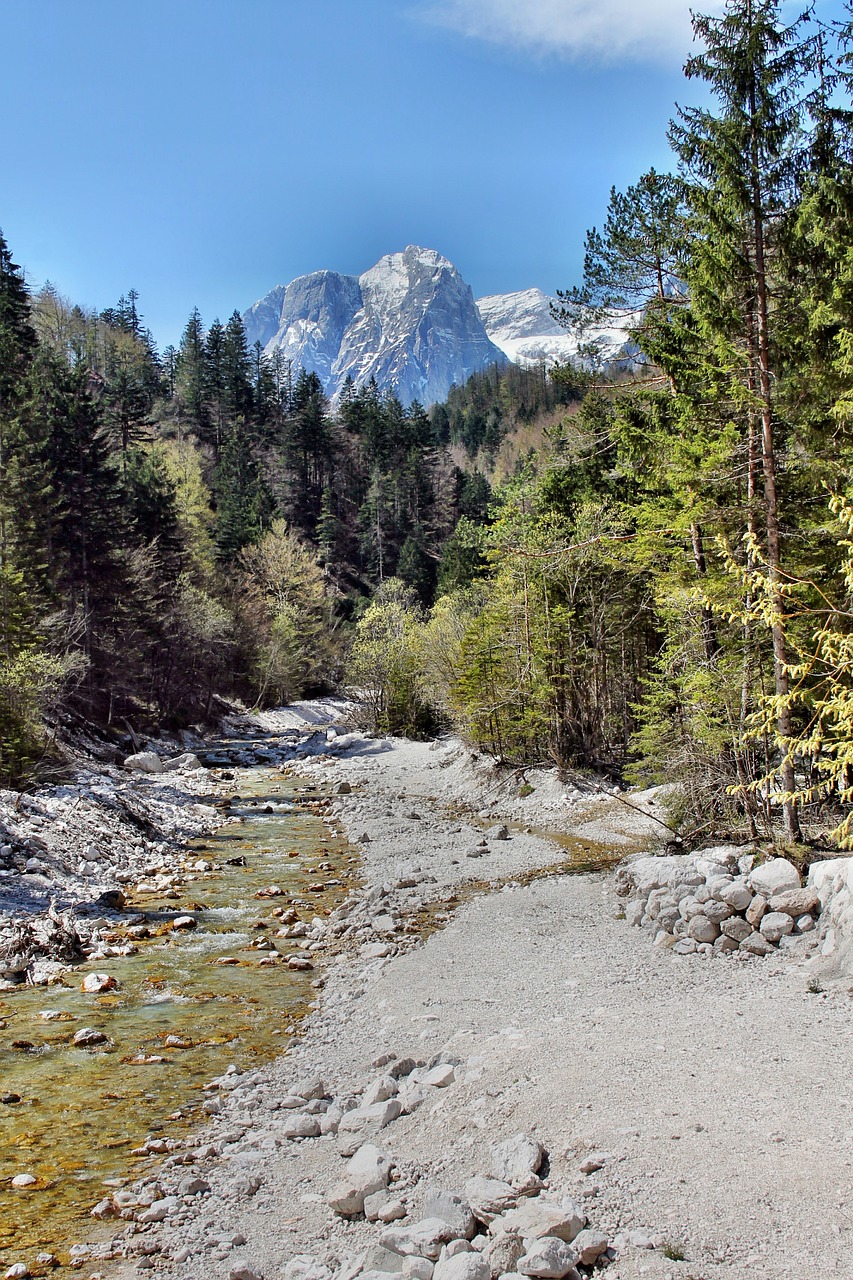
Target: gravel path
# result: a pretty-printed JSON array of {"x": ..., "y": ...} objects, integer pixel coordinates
[{"x": 717, "y": 1093}]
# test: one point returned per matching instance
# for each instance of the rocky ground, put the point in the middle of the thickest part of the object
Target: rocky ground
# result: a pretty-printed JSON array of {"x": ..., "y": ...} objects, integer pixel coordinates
[{"x": 457, "y": 1108}]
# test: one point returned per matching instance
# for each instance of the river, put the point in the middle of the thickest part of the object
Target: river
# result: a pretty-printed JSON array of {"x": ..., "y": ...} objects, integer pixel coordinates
[{"x": 178, "y": 1017}]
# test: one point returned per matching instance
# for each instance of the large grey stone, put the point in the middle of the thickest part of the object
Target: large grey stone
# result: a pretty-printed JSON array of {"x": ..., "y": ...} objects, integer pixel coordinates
[
  {"x": 423, "y": 1239},
  {"x": 736, "y": 928},
  {"x": 549, "y": 1258},
  {"x": 795, "y": 902},
  {"x": 590, "y": 1245},
  {"x": 450, "y": 1208},
  {"x": 489, "y": 1197},
  {"x": 464, "y": 1266},
  {"x": 756, "y": 944},
  {"x": 701, "y": 929},
  {"x": 515, "y": 1159},
  {"x": 737, "y": 895},
  {"x": 503, "y": 1252},
  {"x": 775, "y": 925},
  {"x": 776, "y": 876},
  {"x": 535, "y": 1219},
  {"x": 144, "y": 762}
]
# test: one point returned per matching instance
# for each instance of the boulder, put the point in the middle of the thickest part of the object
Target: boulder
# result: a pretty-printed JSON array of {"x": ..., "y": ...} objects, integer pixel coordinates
[
  {"x": 516, "y": 1159},
  {"x": 795, "y": 902},
  {"x": 550, "y": 1258},
  {"x": 187, "y": 760},
  {"x": 489, "y": 1197},
  {"x": 424, "y": 1239},
  {"x": 503, "y": 1252},
  {"x": 736, "y": 928},
  {"x": 776, "y": 876},
  {"x": 590, "y": 1245},
  {"x": 701, "y": 929},
  {"x": 300, "y": 1126},
  {"x": 757, "y": 945},
  {"x": 87, "y": 1037},
  {"x": 144, "y": 762},
  {"x": 464, "y": 1266},
  {"x": 450, "y": 1208},
  {"x": 95, "y": 983},
  {"x": 535, "y": 1220},
  {"x": 775, "y": 925},
  {"x": 439, "y": 1077},
  {"x": 737, "y": 895}
]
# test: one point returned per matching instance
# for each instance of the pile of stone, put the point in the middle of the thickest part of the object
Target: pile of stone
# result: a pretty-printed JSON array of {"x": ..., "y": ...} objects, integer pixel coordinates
[
  {"x": 719, "y": 901},
  {"x": 500, "y": 1224}
]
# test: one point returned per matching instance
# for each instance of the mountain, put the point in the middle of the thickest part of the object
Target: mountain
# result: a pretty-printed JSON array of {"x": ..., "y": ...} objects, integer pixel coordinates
[
  {"x": 410, "y": 322},
  {"x": 522, "y": 325}
]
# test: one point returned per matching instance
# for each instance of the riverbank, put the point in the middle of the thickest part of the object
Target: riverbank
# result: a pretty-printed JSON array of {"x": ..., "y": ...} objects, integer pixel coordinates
[{"x": 698, "y": 1106}]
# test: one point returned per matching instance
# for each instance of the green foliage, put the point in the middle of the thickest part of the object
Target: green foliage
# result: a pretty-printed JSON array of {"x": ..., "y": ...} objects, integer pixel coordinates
[{"x": 384, "y": 665}]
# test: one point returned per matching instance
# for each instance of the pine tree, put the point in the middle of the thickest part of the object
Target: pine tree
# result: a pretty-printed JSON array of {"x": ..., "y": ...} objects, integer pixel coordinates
[
  {"x": 191, "y": 372},
  {"x": 738, "y": 162}
]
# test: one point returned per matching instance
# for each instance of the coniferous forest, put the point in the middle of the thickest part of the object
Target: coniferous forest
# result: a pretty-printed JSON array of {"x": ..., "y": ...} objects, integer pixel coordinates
[{"x": 648, "y": 573}]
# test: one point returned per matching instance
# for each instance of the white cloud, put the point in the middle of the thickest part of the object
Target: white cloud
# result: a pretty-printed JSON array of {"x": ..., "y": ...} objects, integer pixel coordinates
[{"x": 606, "y": 30}]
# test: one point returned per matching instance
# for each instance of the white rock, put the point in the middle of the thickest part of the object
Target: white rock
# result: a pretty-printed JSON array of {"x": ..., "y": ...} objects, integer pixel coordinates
[
  {"x": 450, "y": 1208},
  {"x": 775, "y": 925},
  {"x": 17, "y": 1271},
  {"x": 795, "y": 902},
  {"x": 756, "y": 944},
  {"x": 590, "y": 1245},
  {"x": 304, "y": 1267},
  {"x": 776, "y": 876},
  {"x": 300, "y": 1126},
  {"x": 424, "y": 1238},
  {"x": 188, "y": 760},
  {"x": 736, "y": 928},
  {"x": 805, "y": 924},
  {"x": 737, "y": 895},
  {"x": 535, "y": 1219},
  {"x": 418, "y": 1269},
  {"x": 24, "y": 1180},
  {"x": 548, "y": 1257},
  {"x": 94, "y": 983},
  {"x": 514, "y": 1160},
  {"x": 464, "y": 1266},
  {"x": 144, "y": 762},
  {"x": 383, "y": 1088},
  {"x": 439, "y": 1077},
  {"x": 701, "y": 929},
  {"x": 160, "y": 1210},
  {"x": 370, "y": 1118},
  {"x": 489, "y": 1197}
]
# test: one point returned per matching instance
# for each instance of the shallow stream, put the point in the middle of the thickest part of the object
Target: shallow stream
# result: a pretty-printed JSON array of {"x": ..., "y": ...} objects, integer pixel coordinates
[{"x": 83, "y": 1111}]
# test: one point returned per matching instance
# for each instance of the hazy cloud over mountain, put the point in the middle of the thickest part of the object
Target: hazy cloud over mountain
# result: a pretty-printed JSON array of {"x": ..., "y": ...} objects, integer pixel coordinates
[{"x": 607, "y": 30}]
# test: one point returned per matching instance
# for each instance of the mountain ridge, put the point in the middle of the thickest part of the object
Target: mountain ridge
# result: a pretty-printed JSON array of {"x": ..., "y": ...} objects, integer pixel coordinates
[{"x": 410, "y": 322}]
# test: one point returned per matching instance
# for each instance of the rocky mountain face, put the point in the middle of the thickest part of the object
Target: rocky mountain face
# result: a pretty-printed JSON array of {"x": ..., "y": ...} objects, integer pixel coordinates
[
  {"x": 410, "y": 322},
  {"x": 522, "y": 325}
]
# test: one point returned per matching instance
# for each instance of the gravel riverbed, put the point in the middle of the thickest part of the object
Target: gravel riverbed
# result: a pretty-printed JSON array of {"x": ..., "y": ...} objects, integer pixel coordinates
[{"x": 695, "y": 1111}]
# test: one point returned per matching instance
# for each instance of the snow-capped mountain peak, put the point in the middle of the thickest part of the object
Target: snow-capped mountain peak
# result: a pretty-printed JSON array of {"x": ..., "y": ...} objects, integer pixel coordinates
[{"x": 410, "y": 322}]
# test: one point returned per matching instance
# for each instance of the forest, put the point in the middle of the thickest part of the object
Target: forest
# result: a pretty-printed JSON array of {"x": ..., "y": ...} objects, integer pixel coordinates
[{"x": 647, "y": 574}]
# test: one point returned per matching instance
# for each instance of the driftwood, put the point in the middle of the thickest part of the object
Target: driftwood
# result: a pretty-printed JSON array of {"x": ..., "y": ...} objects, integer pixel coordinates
[{"x": 53, "y": 936}]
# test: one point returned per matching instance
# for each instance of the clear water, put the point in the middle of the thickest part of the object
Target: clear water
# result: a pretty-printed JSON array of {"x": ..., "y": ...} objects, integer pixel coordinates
[{"x": 83, "y": 1111}]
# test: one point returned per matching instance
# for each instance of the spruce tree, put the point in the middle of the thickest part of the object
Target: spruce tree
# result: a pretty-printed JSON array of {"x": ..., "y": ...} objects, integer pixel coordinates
[{"x": 739, "y": 164}]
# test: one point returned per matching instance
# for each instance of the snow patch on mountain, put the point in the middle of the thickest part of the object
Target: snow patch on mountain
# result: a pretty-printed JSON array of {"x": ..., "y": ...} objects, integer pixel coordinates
[{"x": 523, "y": 326}]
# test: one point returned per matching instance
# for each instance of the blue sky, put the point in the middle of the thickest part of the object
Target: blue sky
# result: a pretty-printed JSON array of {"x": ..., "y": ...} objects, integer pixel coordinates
[{"x": 203, "y": 151}]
